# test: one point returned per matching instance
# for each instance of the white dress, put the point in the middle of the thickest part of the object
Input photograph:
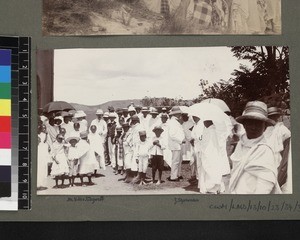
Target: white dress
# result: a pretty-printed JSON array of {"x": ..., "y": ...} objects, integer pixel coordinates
[
  {"x": 43, "y": 160},
  {"x": 210, "y": 170},
  {"x": 96, "y": 143},
  {"x": 87, "y": 158},
  {"x": 58, "y": 152}
]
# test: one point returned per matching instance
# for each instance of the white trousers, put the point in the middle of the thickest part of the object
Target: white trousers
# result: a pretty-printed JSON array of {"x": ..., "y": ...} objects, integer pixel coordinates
[{"x": 176, "y": 164}]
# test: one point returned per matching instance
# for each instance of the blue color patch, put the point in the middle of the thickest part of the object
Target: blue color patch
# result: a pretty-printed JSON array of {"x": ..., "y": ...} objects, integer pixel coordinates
[
  {"x": 5, "y": 57},
  {"x": 5, "y": 74}
]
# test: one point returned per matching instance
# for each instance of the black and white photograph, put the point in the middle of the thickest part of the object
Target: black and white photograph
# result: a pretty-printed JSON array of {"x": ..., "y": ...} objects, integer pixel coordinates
[
  {"x": 161, "y": 17},
  {"x": 157, "y": 121}
]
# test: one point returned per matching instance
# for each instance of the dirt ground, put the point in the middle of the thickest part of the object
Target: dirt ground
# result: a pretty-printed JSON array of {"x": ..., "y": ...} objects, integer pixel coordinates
[{"x": 107, "y": 183}]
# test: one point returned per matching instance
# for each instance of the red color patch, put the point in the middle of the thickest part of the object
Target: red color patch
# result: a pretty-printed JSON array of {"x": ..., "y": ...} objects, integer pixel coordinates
[{"x": 5, "y": 124}]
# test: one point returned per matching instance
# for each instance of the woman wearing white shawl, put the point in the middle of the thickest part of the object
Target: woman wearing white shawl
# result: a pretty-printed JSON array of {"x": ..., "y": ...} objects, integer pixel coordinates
[
  {"x": 43, "y": 157},
  {"x": 254, "y": 169},
  {"x": 96, "y": 143},
  {"x": 276, "y": 135},
  {"x": 87, "y": 158}
]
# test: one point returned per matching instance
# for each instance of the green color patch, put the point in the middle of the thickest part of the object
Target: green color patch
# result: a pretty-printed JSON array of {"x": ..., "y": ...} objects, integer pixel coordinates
[{"x": 5, "y": 91}]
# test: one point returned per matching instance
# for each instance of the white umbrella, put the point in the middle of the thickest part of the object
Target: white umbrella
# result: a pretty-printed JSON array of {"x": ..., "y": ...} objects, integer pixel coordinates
[
  {"x": 184, "y": 109},
  {"x": 218, "y": 102},
  {"x": 208, "y": 111}
]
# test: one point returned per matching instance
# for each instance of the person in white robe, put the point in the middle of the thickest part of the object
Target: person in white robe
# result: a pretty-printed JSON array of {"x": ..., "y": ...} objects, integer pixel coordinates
[
  {"x": 276, "y": 135},
  {"x": 210, "y": 177},
  {"x": 60, "y": 165},
  {"x": 165, "y": 126},
  {"x": 175, "y": 140},
  {"x": 254, "y": 169},
  {"x": 96, "y": 142},
  {"x": 153, "y": 121},
  {"x": 87, "y": 159},
  {"x": 67, "y": 123},
  {"x": 196, "y": 138},
  {"x": 43, "y": 157}
]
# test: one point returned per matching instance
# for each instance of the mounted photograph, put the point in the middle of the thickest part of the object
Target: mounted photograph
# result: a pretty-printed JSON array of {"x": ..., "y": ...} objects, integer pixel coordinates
[
  {"x": 161, "y": 17},
  {"x": 158, "y": 121}
]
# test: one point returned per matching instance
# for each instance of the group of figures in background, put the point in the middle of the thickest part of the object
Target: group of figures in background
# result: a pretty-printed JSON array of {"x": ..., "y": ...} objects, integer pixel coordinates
[
  {"x": 247, "y": 155},
  {"x": 227, "y": 16}
]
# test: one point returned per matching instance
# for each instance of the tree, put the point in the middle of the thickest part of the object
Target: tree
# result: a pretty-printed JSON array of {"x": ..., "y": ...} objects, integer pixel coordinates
[{"x": 267, "y": 79}]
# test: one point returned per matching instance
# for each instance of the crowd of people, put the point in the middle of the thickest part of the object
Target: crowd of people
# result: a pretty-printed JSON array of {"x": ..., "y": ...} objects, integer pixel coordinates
[
  {"x": 235, "y": 16},
  {"x": 247, "y": 155}
]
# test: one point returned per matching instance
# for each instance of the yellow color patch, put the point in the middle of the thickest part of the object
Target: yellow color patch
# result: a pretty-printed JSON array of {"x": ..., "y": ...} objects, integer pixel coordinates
[{"x": 5, "y": 107}]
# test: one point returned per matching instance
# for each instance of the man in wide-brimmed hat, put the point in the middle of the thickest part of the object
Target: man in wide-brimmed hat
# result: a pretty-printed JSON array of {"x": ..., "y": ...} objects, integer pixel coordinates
[
  {"x": 100, "y": 124},
  {"x": 254, "y": 168},
  {"x": 144, "y": 118},
  {"x": 175, "y": 140},
  {"x": 154, "y": 120}
]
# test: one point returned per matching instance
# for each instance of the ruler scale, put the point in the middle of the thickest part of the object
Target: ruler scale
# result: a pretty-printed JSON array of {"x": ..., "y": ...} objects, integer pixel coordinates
[
  {"x": 20, "y": 116},
  {"x": 24, "y": 197}
]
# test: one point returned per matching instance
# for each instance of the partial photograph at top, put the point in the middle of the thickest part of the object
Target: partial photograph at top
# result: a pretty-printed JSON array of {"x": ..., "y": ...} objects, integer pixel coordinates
[{"x": 161, "y": 17}]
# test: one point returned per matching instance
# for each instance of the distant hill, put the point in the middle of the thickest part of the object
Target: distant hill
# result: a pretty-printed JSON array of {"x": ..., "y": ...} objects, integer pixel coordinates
[{"x": 91, "y": 110}]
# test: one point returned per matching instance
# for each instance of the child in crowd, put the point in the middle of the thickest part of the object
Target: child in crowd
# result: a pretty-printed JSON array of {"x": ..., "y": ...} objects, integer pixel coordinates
[
  {"x": 119, "y": 151},
  {"x": 60, "y": 165},
  {"x": 76, "y": 131},
  {"x": 157, "y": 160},
  {"x": 88, "y": 163},
  {"x": 73, "y": 158},
  {"x": 142, "y": 156}
]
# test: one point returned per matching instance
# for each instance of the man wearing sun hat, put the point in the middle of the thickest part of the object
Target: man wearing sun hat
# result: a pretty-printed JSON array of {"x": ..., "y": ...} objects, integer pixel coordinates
[
  {"x": 154, "y": 120},
  {"x": 100, "y": 124},
  {"x": 254, "y": 168},
  {"x": 144, "y": 118},
  {"x": 175, "y": 139}
]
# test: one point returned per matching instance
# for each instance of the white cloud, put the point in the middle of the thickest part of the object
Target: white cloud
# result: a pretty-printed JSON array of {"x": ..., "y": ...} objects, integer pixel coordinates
[{"x": 95, "y": 76}]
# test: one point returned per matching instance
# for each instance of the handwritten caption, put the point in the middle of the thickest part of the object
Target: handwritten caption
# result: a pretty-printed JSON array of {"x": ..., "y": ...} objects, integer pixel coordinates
[
  {"x": 89, "y": 199},
  {"x": 247, "y": 206}
]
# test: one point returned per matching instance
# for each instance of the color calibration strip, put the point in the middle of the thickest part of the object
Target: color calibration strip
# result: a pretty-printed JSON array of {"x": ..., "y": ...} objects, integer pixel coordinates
[
  {"x": 5, "y": 123},
  {"x": 20, "y": 118}
]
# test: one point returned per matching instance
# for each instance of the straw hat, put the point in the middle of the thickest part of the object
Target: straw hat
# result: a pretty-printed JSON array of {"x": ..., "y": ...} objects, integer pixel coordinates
[
  {"x": 106, "y": 115},
  {"x": 144, "y": 109},
  {"x": 113, "y": 115},
  {"x": 131, "y": 109},
  {"x": 73, "y": 136},
  {"x": 255, "y": 110},
  {"x": 154, "y": 111},
  {"x": 142, "y": 133},
  {"x": 84, "y": 134},
  {"x": 157, "y": 129},
  {"x": 175, "y": 110},
  {"x": 119, "y": 129},
  {"x": 79, "y": 114},
  {"x": 273, "y": 111},
  {"x": 99, "y": 112}
]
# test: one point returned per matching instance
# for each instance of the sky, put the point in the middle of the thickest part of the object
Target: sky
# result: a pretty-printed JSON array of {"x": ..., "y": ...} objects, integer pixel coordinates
[{"x": 96, "y": 76}]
